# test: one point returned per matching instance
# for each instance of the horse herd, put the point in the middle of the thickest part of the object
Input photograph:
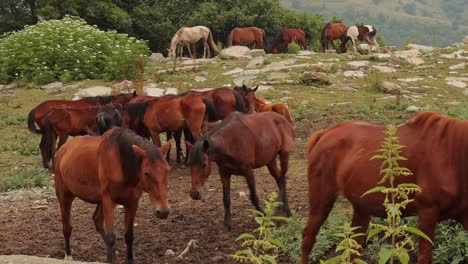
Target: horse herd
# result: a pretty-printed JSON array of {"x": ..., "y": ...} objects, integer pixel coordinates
[
  {"x": 256, "y": 38},
  {"x": 119, "y": 165}
]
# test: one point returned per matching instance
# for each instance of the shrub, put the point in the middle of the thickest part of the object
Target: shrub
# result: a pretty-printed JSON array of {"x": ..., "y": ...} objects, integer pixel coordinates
[
  {"x": 66, "y": 50},
  {"x": 348, "y": 247},
  {"x": 293, "y": 47},
  {"x": 27, "y": 177}
]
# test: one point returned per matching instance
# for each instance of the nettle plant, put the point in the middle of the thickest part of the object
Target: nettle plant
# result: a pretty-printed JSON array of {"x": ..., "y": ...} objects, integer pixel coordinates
[
  {"x": 397, "y": 197},
  {"x": 66, "y": 50},
  {"x": 261, "y": 247},
  {"x": 348, "y": 247}
]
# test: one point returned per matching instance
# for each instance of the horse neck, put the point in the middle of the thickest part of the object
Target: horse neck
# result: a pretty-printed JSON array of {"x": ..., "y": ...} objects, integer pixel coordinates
[{"x": 259, "y": 104}]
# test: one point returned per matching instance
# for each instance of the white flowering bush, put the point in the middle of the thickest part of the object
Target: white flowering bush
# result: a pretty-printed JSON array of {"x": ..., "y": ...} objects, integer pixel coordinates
[{"x": 68, "y": 49}]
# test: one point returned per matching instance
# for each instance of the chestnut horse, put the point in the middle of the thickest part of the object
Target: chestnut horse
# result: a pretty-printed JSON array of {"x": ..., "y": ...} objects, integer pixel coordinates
[
  {"x": 63, "y": 123},
  {"x": 288, "y": 35},
  {"x": 248, "y": 94},
  {"x": 247, "y": 36},
  {"x": 240, "y": 144},
  {"x": 280, "y": 108},
  {"x": 339, "y": 163},
  {"x": 331, "y": 32},
  {"x": 115, "y": 168},
  {"x": 361, "y": 33}
]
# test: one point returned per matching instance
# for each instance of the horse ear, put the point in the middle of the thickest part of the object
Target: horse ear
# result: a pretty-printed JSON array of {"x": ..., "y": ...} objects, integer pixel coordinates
[
  {"x": 139, "y": 151},
  {"x": 255, "y": 89},
  {"x": 166, "y": 148},
  {"x": 188, "y": 144}
]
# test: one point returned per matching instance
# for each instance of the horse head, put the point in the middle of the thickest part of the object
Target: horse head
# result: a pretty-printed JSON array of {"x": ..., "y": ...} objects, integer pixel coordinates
[{"x": 200, "y": 166}]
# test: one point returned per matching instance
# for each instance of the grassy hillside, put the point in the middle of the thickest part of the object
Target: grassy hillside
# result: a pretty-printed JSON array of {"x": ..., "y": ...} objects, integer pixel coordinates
[{"x": 430, "y": 22}]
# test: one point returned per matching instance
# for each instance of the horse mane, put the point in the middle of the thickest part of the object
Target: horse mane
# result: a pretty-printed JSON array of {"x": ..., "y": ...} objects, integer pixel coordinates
[
  {"x": 323, "y": 36},
  {"x": 103, "y": 99},
  {"x": 137, "y": 110},
  {"x": 210, "y": 110},
  {"x": 196, "y": 155},
  {"x": 130, "y": 161},
  {"x": 240, "y": 104}
]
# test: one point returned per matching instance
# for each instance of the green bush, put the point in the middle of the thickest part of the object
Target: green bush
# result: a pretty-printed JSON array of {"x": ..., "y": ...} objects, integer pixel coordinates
[
  {"x": 66, "y": 50},
  {"x": 293, "y": 47},
  {"x": 27, "y": 177}
]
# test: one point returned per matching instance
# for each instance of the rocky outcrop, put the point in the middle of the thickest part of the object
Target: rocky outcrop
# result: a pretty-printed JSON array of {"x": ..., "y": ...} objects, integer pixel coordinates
[{"x": 235, "y": 52}]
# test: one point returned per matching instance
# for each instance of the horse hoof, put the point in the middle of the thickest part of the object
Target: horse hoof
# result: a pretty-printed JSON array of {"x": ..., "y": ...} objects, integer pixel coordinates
[{"x": 68, "y": 258}]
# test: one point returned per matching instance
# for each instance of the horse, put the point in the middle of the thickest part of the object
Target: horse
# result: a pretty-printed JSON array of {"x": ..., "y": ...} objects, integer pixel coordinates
[
  {"x": 63, "y": 123},
  {"x": 187, "y": 36},
  {"x": 339, "y": 162},
  {"x": 247, "y": 36},
  {"x": 248, "y": 94},
  {"x": 107, "y": 117},
  {"x": 288, "y": 35},
  {"x": 240, "y": 144},
  {"x": 331, "y": 32},
  {"x": 115, "y": 168},
  {"x": 280, "y": 108},
  {"x": 361, "y": 33}
]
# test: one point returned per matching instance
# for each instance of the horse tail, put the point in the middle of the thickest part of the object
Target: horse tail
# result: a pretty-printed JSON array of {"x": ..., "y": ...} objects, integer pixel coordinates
[
  {"x": 210, "y": 111},
  {"x": 230, "y": 37},
  {"x": 240, "y": 104},
  {"x": 48, "y": 140},
  {"x": 323, "y": 37},
  {"x": 32, "y": 124},
  {"x": 313, "y": 140},
  {"x": 212, "y": 43}
]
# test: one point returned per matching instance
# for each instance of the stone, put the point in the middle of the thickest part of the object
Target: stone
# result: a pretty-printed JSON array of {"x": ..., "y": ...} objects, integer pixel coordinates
[
  {"x": 279, "y": 65},
  {"x": 169, "y": 253},
  {"x": 157, "y": 57},
  {"x": 200, "y": 79},
  {"x": 305, "y": 53},
  {"x": 384, "y": 69},
  {"x": 404, "y": 54},
  {"x": 277, "y": 75},
  {"x": 198, "y": 61},
  {"x": 410, "y": 79},
  {"x": 358, "y": 74},
  {"x": 263, "y": 88},
  {"x": 459, "y": 54},
  {"x": 123, "y": 85},
  {"x": 72, "y": 86},
  {"x": 389, "y": 49},
  {"x": 420, "y": 48},
  {"x": 415, "y": 60},
  {"x": 358, "y": 64},
  {"x": 55, "y": 87},
  {"x": 458, "y": 66},
  {"x": 233, "y": 72},
  {"x": 311, "y": 78},
  {"x": 257, "y": 53},
  {"x": 171, "y": 91},
  {"x": 255, "y": 62},
  {"x": 235, "y": 52},
  {"x": 330, "y": 51},
  {"x": 321, "y": 67},
  {"x": 389, "y": 87},
  {"x": 413, "y": 108},
  {"x": 465, "y": 39},
  {"x": 364, "y": 48},
  {"x": 383, "y": 57},
  {"x": 458, "y": 84},
  {"x": 250, "y": 72}
]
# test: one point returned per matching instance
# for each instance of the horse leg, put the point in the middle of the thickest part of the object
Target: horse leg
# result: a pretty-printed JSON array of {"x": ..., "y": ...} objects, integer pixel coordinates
[
  {"x": 427, "y": 222},
  {"x": 43, "y": 147},
  {"x": 250, "y": 178},
  {"x": 155, "y": 137},
  {"x": 168, "y": 154},
  {"x": 188, "y": 136},
  {"x": 281, "y": 182},
  {"x": 109, "y": 237},
  {"x": 130, "y": 212},
  {"x": 354, "y": 45},
  {"x": 65, "y": 200},
  {"x": 361, "y": 220},
  {"x": 226, "y": 181},
  {"x": 99, "y": 221},
  {"x": 177, "y": 136}
]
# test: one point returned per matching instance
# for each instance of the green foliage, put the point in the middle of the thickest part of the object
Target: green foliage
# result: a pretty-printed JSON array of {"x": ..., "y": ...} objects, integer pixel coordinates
[
  {"x": 261, "y": 247},
  {"x": 380, "y": 41},
  {"x": 293, "y": 47},
  {"x": 460, "y": 111},
  {"x": 68, "y": 49},
  {"x": 373, "y": 79},
  {"x": 396, "y": 199},
  {"x": 348, "y": 246},
  {"x": 27, "y": 177},
  {"x": 451, "y": 243},
  {"x": 336, "y": 19}
]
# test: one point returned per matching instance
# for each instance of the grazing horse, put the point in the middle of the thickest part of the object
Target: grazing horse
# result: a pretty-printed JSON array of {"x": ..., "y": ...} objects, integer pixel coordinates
[
  {"x": 288, "y": 35},
  {"x": 63, "y": 123},
  {"x": 248, "y": 94},
  {"x": 361, "y": 33},
  {"x": 115, "y": 168},
  {"x": 339, "y": 162},
  {"x": 247, "y": 36},
  {"x": 107, "y": 117},
  {"x": 331, "y": 32},
  {"x": 280, "y": 108},
  {"x": 186, "y": 36},
  {"x": 240, "y": 144}
]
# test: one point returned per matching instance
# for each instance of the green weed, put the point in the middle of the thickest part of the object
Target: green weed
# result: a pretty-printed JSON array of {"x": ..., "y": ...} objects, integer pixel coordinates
[{"x": 24, "y": 177}]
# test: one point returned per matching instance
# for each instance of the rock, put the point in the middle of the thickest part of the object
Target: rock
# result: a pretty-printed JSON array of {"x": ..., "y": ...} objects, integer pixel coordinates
[
  {"x": 158, "y": 57},
  {"x": 380, "y": 57},
  {"x": 72, "y": 86},
  {"x": 12, "y": 85},
  {"x": 364, "y": 48},
  {"x": 305, "y": 53},
  {"x": 389, "y": 49},
  {"x": 198, "y": 61},
  {"x": 277, "y": 75},
  {"x": 250, "y": 72},
  {"x": 263, "y": 88},
  {"x": 242, "y": 194},
  {"x": 239, "y": 81},
  {"x": 415, "y": 60},
  {"x": 358, "y": 64},
  {"x": 235, "y": 52},
  {"x": 55, "y": 87},
  {"x": 233, "y": 72},
  {"x": 459, "y": 54},
  {"x": 255, "y": 62},
  {"x": 320, "y": 67},
  {"x": 458, "y": 84},
  {"x": 171, "y": 91},
  {"x": 257, "y": 53},
  {"x": 410, "y": 79},
  {"x": 384, "y": 69},
  {"x": 152, "y": 90},
  {"x": 330, "y": 51},
  {"x": 389, "y": 87},
  {"x": 404, "y": 54},
  {"x": 358, "y": 74},
  {"x": 458, "y": 66},
  {"x": 420, "y": 48},
  {"x": 396, "y": 61},
  {"x": 311, "y": 78},
  {"x": 465, "y": 39},
  {"x": 169, "y": 253},
  {"x": 200, "y": 79},
  {"x": 124, "y": 85},
  {"x": 279, "y": 65}
]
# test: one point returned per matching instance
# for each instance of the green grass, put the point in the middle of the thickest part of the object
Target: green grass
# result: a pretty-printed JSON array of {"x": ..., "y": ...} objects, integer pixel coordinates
[{"x": 24, "y": 177}]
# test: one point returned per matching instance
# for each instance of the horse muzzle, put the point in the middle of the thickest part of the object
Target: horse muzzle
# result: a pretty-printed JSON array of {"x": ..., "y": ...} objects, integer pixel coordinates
[
  {"x": 196, "y": 195},
  {"x": 162, "y": 213}
]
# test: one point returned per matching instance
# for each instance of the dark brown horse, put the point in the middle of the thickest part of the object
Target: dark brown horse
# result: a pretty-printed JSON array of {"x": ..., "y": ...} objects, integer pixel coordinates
[
  {"x": 288, "y": 35},
  {"x": 63, "y": 123},
  {"x": 247, "y": 36},
  {"x": 240, "y": 144},
  {"x": 248, "y": 94},
  {"x": 115, "y": 168},
  {"x": 331, "y": 32},
  {"x": 108, "y": 116},
  {"x": 339, "y": 163},
  {"x": 280, "y": 108}
]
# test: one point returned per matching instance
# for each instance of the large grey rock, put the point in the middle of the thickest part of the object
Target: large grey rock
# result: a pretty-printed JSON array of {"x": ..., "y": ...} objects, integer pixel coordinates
[
  {"x": 252, "y": 72},
  {"x": 459, "y": 54},
  {"x": 384, "y": 69},
  {"x": 415, "y": 60},
  {"x": 389, "y": 87},
  {"x": 234, "y": 72},
  {"x": 257, "y": 53},
  {"x": 458, "y": 66},
  {"x": 55, "y": 87},
  {"x": 93, "y": 91},
  {"x": 421, "y": 48},
  {"x": 311, "y": 78},
  {"x": 357, "y": 64},
  {"x": 364, "y": 48},
  {"x": 158, "y": 57},
  {"x": 255, "y": 62},
  {"x": 404, "y": 54},
  {"x": 235, "y": 52}
]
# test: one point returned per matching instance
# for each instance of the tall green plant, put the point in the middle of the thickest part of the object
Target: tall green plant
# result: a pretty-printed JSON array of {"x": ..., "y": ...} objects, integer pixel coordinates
[
  {"x": 348, "y": 247},
  {"x": 261, "y": 247},
  {"x": 397, "y": 197}
]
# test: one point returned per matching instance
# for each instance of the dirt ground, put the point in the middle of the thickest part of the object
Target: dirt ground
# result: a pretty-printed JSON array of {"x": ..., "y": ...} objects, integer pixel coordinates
[{"x": 30, "y": 222}]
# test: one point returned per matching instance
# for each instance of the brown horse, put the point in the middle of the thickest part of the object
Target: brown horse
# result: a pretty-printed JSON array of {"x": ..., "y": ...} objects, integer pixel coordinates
[
  {"x": 280, "y": 108},
  {"x": 331, "y": 32},
  {"x": 248, "y": 94},
  {"x": 288, "y": 35},
  {"x": 240, "y": 144},
  {"x": 63, "y": 123},
  {"x": 247, "y": 36},
  {"x": 107, "y": 117},
  {"x": 115, "y": 168},
  {"x": 361, "y": 33},
  {"x": 339, "y": 163}
]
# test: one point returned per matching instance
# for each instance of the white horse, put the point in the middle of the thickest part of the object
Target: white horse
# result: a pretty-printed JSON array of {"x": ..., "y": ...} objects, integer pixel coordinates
[
  {"x": 187, "y": 36},
  {"x": 366, "y": 32}
]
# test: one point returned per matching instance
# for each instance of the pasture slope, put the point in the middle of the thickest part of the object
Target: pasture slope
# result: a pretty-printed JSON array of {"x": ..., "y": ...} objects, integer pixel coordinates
[{"x": 320, "y": 89}]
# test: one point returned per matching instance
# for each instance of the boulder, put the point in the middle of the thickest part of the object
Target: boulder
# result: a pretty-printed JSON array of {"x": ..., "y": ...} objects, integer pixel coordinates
[
  {"x": 235, "y": 52},
  {"x": 389, "y": 87},
  {"x": 357, "y": 64},
  {"x": 358, "y": 74},
  {"x": 420, "y": 48},
  {"x": 404, "y": 54},
  {"x": 93, "y": 91},
  {"x": 415, "y": 60},
  {"x": 255, "y": 62},
  {"x": 311, "y": 78},
  {"x": 157, "y": 57},
  {"x": 384, "y": 69},
  {"x": 233, "y": 72},
  {"x": 364, "y": 48},
  {"x": 55, "y": 87},
  {"x": 320, "y": 67},
  {"x": 458, "y": 66},
  {"x": 257, "y": 53}
]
